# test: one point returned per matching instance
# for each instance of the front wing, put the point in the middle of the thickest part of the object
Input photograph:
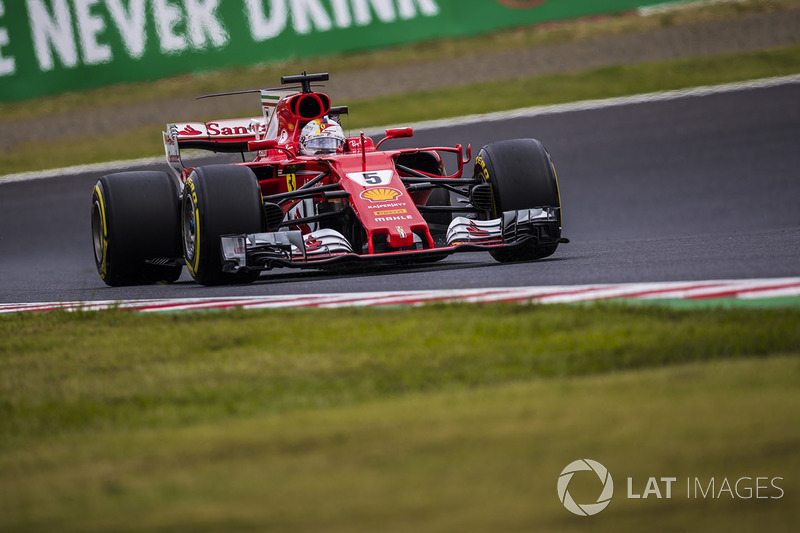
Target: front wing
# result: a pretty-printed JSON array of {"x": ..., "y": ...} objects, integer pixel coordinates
[{"x": 328, "y": 248}]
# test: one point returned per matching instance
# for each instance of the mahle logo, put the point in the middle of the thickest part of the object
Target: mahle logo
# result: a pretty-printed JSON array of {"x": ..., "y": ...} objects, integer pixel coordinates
[{"x": 586, "y": 509}]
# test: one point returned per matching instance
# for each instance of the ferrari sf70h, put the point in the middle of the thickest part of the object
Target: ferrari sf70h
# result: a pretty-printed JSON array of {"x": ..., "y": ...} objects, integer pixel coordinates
[{"x": 310, "y": 197}]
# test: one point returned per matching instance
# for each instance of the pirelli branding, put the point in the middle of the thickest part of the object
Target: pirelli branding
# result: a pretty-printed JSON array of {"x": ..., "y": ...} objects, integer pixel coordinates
[{"x": 387, "y": 212}]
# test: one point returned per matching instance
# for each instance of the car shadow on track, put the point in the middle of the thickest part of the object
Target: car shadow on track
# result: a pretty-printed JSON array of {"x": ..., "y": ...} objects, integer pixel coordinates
[{"x": 376, "y": 271}]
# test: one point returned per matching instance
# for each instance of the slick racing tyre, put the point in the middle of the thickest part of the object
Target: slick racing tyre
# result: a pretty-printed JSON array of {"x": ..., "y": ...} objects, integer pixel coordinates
[
  {"x": 521, "y": 176},
  {"x": 218, "y": 200},
  {"x": 135, "y": 228}
]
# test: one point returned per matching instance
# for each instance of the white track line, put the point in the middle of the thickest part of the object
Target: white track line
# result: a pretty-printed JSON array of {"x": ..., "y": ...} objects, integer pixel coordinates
[
  {"x": 526, "y": 112},
  {"x": 668, "y": 7},
  {"x": 81, "y": 169}
]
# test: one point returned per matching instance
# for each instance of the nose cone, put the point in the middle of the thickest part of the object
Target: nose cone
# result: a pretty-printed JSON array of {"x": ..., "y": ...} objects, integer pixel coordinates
[{"x": 400, "y": 237}]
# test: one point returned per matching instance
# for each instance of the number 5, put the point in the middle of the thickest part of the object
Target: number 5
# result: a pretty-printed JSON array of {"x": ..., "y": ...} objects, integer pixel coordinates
[{"x": 372, "y": 178}]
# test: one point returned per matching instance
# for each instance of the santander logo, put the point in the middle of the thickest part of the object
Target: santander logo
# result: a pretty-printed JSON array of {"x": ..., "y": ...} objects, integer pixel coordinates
[{"x": 189, "y": 130}]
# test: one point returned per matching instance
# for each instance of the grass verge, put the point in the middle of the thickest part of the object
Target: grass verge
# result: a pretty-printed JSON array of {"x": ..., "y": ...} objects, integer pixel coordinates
[{"x": 354, "y": 419}]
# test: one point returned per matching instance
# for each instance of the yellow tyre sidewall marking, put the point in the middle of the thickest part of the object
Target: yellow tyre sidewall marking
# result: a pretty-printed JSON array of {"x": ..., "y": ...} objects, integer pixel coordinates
[
  {"x": 196, "y": 239},
  {"x": 193, "y": 267},
  {"x": 104, "y": 261},
  {"x": 488, "y": 179},
  {"x": 558, "y": 192}
]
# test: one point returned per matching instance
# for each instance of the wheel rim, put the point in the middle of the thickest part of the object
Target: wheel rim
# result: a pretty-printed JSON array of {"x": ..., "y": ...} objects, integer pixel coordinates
[
  {"x": 189, "y": 230},
  {"x": 98, "y": 233}
]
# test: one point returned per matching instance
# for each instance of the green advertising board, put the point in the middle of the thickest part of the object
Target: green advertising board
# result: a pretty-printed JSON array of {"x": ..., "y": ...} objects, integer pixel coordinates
[{"x": 53, "y": 46}]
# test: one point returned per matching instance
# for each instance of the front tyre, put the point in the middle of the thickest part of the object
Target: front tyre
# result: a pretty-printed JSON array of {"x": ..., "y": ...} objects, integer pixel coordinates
[
  {"x": 521, "y": 176},
  {"x": 135, "y": 229},
  {"x": 218, "y": 200}
]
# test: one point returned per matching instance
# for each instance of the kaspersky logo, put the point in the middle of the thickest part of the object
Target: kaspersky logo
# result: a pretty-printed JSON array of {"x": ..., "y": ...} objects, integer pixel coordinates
[{"x": 585, "y": 509}]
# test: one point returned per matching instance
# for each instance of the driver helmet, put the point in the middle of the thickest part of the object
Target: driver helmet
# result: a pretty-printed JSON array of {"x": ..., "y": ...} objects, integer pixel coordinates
[{"x": 321, "y": 136}]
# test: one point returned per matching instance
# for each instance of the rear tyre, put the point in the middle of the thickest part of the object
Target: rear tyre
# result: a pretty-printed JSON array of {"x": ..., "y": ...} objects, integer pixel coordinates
[
  {"x": 135, "y": 220},
  {"x": 522, "y": 176},
  {"x": 218, "y": 200}
]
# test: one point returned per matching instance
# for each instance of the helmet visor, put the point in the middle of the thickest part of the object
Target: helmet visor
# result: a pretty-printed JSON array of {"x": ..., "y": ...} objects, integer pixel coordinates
[{"x": 322, "y": 145}]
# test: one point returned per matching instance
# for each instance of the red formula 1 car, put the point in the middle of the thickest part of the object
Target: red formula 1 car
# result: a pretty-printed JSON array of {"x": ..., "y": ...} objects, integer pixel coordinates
[{"x": 313, "y": 198}]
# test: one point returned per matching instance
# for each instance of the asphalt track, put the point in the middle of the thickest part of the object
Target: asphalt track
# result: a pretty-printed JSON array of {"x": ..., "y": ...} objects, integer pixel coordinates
[{"x": 693, "y": 188}]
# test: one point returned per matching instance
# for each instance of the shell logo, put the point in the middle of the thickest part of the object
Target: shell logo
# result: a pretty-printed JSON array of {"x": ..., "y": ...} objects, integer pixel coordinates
[{"x": 381, "y": 194}]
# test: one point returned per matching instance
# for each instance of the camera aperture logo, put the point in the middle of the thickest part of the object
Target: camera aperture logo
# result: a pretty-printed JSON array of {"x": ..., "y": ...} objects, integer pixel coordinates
[{"x": 586, "y": 509}]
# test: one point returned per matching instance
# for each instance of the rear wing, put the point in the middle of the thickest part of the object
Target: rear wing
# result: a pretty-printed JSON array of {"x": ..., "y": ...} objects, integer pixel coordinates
[
  {"x": 225, "y": 135},
  {"x": 228, "y": 135}
]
